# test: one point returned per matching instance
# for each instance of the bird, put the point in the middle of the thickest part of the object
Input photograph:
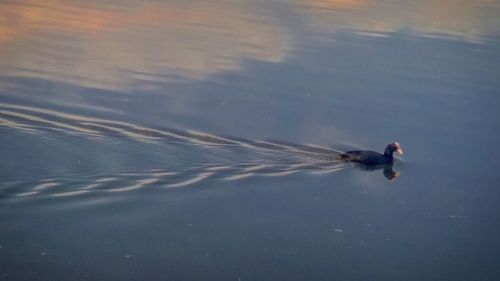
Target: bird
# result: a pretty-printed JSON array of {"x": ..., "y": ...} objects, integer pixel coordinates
[{"x": 371, "y": 158}]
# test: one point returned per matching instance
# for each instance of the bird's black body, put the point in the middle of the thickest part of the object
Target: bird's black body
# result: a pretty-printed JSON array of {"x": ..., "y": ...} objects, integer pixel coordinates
[
  {"x": 367, "y": 157},
  {"x": 372, "y": 158}
]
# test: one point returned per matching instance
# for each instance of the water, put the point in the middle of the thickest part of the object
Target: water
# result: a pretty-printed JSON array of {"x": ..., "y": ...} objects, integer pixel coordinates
[{"x": 199, "y": 140}]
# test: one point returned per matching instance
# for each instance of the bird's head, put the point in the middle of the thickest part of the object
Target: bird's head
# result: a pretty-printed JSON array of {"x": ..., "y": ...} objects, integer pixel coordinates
[{"x": 393, "y": 147}]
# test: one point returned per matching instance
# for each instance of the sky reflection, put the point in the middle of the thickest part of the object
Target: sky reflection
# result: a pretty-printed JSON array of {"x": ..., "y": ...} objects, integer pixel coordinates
[
  {"x": 119, "y": 45},
  {"x": 473, "y": 21},
  {"x": 108, "y": 47}
]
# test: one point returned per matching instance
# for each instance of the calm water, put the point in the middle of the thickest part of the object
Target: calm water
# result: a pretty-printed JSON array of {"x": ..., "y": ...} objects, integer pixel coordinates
[{"x": 199, "y": 140}]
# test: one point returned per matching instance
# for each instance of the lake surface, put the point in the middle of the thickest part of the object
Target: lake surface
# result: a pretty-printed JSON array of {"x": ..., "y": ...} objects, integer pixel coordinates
[{"x": 200, "y": 140}]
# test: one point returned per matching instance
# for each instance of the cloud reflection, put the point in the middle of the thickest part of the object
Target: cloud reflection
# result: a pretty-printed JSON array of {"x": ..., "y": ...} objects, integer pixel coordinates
[
  {"x": 119, "y": 45},
  {"x": 467, "y": 20},
  {"x": 113, "y": 47}
]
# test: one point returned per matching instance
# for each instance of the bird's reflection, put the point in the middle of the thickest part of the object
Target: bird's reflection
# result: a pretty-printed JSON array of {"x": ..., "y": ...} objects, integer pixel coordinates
[{"x": 389, "y": 172}]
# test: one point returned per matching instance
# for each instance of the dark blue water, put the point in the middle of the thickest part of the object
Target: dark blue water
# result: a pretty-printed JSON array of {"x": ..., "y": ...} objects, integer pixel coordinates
[{"x": 200, "y": 140}]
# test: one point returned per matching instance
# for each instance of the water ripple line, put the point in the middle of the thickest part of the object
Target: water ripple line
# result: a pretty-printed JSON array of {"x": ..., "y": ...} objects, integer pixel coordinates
[{"x": 275, "y": 158}]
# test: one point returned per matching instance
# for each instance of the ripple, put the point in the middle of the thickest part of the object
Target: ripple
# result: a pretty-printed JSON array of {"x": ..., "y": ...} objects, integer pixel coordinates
[{"x": 273, "y": 158}]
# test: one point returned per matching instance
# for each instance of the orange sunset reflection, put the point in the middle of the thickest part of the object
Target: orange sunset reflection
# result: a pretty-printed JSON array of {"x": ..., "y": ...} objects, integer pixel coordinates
[
  {"x": 114, "y": 45},
  {"x": 104, "y": 46}
]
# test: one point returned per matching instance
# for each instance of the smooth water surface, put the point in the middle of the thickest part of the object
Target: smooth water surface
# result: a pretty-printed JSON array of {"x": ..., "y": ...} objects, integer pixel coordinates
[{"x": 200, "y": 140}]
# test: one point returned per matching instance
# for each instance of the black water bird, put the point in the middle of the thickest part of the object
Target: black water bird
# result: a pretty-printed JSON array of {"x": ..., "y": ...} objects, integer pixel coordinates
[{"x": 372, "y": 158}]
